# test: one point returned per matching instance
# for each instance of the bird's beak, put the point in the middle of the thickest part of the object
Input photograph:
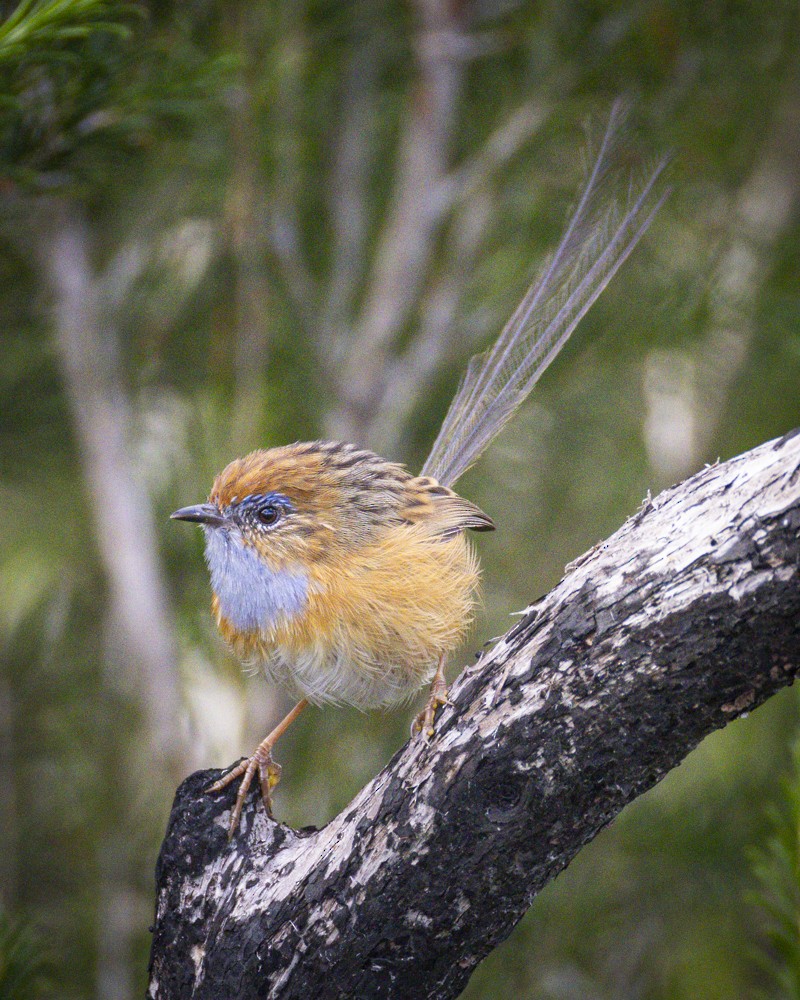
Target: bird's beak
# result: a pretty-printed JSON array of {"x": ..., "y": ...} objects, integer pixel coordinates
[{"x": 202, "y": 513}]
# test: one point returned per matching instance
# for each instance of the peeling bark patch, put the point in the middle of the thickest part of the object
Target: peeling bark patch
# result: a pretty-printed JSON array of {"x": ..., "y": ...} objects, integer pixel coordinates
[
  {"x": 744, "y": 701},
  {"x": 687, "y": 617}
]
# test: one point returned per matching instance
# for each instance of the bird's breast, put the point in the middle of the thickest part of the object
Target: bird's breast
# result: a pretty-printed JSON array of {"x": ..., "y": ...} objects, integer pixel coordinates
[{"x": 252, "y": 595}]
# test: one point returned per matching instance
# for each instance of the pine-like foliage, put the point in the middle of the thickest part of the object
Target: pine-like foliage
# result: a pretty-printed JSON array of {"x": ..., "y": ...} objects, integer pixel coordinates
[
  {"x": 58, "y": 59},
  {"x": 37, "y": 29},
  {"x": 87, "y": 85},
  {"x": 776, "y": 866}
]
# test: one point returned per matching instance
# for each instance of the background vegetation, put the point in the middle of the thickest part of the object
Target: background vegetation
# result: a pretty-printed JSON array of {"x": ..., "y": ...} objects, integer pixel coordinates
[{"x": 233, "y": 225}]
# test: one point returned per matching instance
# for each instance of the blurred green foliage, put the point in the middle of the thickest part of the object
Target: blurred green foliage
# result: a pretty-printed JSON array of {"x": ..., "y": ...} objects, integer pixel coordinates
[
  {"x": 776, "y": 867},
  {"x": 21, "y": 962},
  {"x": 234, "y": 171}
]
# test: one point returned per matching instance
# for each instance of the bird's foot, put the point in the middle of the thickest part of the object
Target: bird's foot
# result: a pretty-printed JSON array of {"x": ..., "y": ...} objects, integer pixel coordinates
[
  {"x": 423, "y": 724},
  {"x": 269, "y": 774}
]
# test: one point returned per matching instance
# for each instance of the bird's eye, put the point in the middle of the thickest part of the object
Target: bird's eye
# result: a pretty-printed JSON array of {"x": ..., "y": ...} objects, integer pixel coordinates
[
  {"x": 261, "y": 510},
  {"x": 268, "y": 514}
]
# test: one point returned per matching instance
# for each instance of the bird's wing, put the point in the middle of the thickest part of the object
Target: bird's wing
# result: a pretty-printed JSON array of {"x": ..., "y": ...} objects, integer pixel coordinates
[{"x": 446, "y": 513}]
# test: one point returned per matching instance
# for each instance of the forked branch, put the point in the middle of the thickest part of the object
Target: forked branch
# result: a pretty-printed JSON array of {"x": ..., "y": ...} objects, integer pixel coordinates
[{"x": 685, "y": 618}]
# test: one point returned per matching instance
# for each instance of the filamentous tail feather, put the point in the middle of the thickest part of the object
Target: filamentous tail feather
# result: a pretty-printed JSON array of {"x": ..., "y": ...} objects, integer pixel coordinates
[{"x": 603, "y": 231}]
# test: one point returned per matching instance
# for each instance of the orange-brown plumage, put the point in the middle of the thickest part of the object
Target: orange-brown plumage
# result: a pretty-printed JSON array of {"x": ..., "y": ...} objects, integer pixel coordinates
[
  {"x": 345, "y": 576},
  {"x": 389, "y": 578}
]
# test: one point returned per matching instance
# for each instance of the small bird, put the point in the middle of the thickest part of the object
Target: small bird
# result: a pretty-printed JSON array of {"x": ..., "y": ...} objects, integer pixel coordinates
[{"x": 349, "y": 580}]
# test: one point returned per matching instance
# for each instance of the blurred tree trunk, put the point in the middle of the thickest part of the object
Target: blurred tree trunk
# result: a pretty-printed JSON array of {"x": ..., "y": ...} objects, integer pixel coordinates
[
  {"x": 684, "y": 619},
  {"x": 90, "y": 363},
  {"x": 761, "y": 210},
  {"x": 376, "y": 379},
  {"x": 244, "y": 215},
  {"x": 141, "y": 646},
  {"x": 418, "y": 206}
]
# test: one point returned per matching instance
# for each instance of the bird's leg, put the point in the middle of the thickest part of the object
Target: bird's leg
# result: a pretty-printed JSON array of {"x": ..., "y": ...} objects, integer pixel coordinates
[
  {"x": 269, "y": 773},
  {"x": 423, "y": 724}
]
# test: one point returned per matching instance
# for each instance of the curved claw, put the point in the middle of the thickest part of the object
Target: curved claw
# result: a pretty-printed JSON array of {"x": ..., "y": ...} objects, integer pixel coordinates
[
  {"x": 269, "y": 775},
  {"x": 423, "y": 723},
  {"x": 226, "y": 779}
]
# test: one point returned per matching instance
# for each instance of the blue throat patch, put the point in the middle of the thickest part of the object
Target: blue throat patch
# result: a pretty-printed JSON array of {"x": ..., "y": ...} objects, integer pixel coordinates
[{"x": 251, "y": 595}]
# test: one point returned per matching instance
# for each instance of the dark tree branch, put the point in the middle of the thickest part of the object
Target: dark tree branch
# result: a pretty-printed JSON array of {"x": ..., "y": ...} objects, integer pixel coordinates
[{"x": 684, "y": 619}]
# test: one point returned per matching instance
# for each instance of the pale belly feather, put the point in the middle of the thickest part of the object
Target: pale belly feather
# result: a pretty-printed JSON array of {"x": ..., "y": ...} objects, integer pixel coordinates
[
  {"x": 369, "y": 637},
  {"x": 326, "y": 675}
]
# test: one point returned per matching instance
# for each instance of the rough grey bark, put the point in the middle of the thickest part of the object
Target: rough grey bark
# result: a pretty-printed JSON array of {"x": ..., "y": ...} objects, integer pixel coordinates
[{"x": 684, "y": 619}]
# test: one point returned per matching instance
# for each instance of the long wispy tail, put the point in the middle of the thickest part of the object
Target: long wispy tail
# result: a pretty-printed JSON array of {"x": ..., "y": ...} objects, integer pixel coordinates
[{"x": 603, "y": 231}]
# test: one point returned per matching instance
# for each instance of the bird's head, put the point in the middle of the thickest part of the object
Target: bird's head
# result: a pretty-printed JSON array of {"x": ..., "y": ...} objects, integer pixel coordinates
[{"x": 274, "y": 515}]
